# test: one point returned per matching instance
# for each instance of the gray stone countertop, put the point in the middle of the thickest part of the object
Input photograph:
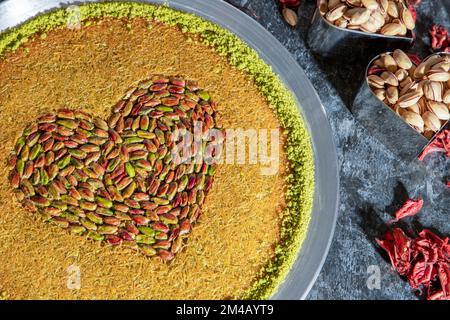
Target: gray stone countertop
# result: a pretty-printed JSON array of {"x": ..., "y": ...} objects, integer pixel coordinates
[{"x": 374, "y": 182}]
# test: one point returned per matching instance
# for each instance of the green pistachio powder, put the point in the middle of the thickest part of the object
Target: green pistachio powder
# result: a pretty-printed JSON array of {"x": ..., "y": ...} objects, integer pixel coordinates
[{"x": 300, "y": 181}]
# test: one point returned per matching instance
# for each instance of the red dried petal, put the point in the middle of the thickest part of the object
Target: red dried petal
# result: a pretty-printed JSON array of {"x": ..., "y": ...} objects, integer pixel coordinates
[
  {"x": 439, "y": 37},
  {"x": 409, "y": 209},
  {"x": 439, "y": 295},
  {"x": 422, "y": 274},
  {"x": 414, "y": 3},
  {"x": 428, "y": 234},
  {"x": 430, "y": 149},
  {"x": 414, "y": 58},
  {"x": 291, "y": 4},
  {"x": 424, "y": 261},
  {"x": 374, "y": 70},
  {"x": 398, "y": 247},
  {"x": 413, "y": 11},
  {"x": 402, "y": 246},
  {"x": 441, "y": 143},
  {"x": 444, "y": 278},
  {"x": 444, "y": 252}
]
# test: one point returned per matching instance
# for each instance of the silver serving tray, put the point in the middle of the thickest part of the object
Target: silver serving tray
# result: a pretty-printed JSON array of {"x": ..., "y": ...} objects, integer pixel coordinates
[{"x": 326, "y": 198}]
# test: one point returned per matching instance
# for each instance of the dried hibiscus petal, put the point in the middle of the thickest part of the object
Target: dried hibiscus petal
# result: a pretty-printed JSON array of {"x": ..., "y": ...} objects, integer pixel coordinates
[
  {"x": 398, "y": 246},
  {"x": 291, "y": 4},
  {"x": 424, "y": 261},
  {"x": 439, "y": 37},
  {"x": 422, "y": 274},
  {"x": 429, "y": 235},
  {"x": 414, "y": 58},
  {"x": 441, "y": 143},
  {"x": 431, "y": 148},
  {"x": 413, "y": 11},
  {"x": 444, "y": 277},
  {"x": 409, "y": 209},
  {"x": 374, "y": 70},
  {"x": 414, "y": 3}
]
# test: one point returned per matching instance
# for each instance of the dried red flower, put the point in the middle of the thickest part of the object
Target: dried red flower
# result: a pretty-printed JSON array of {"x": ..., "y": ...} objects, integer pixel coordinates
[
  {"x": 374, "y": 70},
  {"x": 414, "y": 3},
  {"x": 398, "y": 246},
  {"x": 440, "y": 40},
  {"x": 414, "y": 58},
  {"x": 424, "y": 261},
  {"x": 412, "y": 9},
  {"x": 409, "y": 209},
  {"x": 291, "y": 4},
  {"x": 441, "y": 143}
]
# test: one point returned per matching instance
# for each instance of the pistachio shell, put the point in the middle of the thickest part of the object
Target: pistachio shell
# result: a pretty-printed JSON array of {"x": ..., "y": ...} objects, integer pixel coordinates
[
  {"x": 384, "y": 4},
  {"x": 290, "y": 16},
  {"x": 370, "y": 4},
  {"x": 410, "y": 87},
  {"x": 391, "y": 29},
  {"x": 423, "y": 68},
  {"x": 380, "y": 94},
  {"x": 336, "y": 13},
  {"x": 389, "y": 62},
  {"x": 433, "y": 90},
  {"x": 392, "y": 9},
  {"x": 446, "y": 97},
  {"x": 323, "y": 6},
  {"x": 333, "y": 4},
  {"x": 353, "y": 3},
  {"x": 438, "y": 75},
  {"x": 418, "y": 86},
  {"x": 414, "y": 120},
  {"x": 389, "y": 78},
  {"x": 402, "y": 59},
  {"x": 375, "y": 81},
  {"x": 357, "y": 16},
  {"x": 439, "y": 109},
  {"x": 411, "y": 71},
  {"x": 354, "y": 27},
  {"x": 379, "y": 62},
  {"x": 403, "y": 30},
  {"x": 370, "y": 26},
  {"x": 409, "y": 99},
  {"x": 422, "y": 105},
  {"x": 392, "y": 95},
  {"x": 443, "y": 66},
  {"x": 401, "y": 74},
  {"x": 414, "y": 108},
  {"x": 406, "y": 82},
  {"x": 407, "y": 18},
  {"x": 431, "y": 121},
  {"x": 341, "y": 22},
  {"x": 378, "y": 18}
]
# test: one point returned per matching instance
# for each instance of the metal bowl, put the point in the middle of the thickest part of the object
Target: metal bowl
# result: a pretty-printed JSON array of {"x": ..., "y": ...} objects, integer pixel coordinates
[
  {"x": 326, "y": 198},
  {"x": 328, "y": 40}
]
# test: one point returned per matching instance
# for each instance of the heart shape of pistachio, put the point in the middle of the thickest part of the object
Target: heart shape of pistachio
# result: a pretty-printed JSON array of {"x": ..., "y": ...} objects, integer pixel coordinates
[
  {"x": 120, "y": 181},
  {"x": 418, "y": 91}
]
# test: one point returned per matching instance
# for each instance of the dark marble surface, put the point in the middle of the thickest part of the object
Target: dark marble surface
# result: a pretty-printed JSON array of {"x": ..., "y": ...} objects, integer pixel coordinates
[{"x": 374, "y": 181}]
